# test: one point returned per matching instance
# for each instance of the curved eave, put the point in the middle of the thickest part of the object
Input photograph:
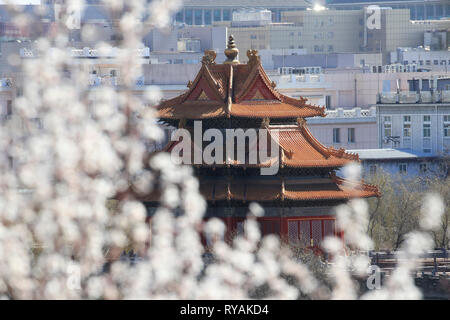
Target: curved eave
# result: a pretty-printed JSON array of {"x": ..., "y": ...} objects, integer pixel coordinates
[{"x": 193, "y": 110}]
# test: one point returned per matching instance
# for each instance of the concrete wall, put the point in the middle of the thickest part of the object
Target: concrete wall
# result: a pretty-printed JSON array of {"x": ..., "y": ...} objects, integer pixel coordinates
[
  {"x": 165, "y": 74},
  {"x": 365, "y": 134},
  {"x": 165, "y": 40}
]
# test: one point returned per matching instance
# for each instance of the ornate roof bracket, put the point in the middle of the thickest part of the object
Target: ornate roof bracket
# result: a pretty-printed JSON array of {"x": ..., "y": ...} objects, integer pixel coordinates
[
  {"x": 283, "y": 190},
  {"x": 265, "y": 123}
]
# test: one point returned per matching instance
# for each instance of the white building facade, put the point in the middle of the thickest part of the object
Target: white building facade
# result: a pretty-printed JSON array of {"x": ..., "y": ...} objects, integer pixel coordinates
[
  {"x": 415, "y": 126},
  {"x": 349, "y": 129}
]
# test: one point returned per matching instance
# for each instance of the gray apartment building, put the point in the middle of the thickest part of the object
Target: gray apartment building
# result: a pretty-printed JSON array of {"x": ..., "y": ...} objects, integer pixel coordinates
[{"x": 418, "y": 121}]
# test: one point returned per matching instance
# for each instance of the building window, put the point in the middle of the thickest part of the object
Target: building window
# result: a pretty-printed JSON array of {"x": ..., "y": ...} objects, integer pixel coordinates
[
  {"x": 327, "y": 102},
  {"x": 253, "y": 36},
  {"x": 387, "y": 126},
  {"x": 269, "y": 226},
  {"x": 179, "y": 17},
  {"x": 421, "y": 62},
  {"x": 351, "y": 135},
  {"x": 426, "y": 126},
  {"x": 428, "y": 62},
  {"x": 9, "y": 107},
  {"x": 407, "y": 126},
  {"x": 217, "y": 15},
  {"x": 299, "y": 34},
  {"x": 336, "y": 135},
  {"x": 318, "y": 48},
  {"x": 208, "y": 17},
  {"x": 402, "y": 168},
  {"x": 198, "y": 16},
  {"x": 373, "y": 169},
  {"x": 188, "y": 16},
  {"x": 226, "y": 15},
  {"x": 423, "y": 167},
  {"x": 447, "y": 126},
  {"x": 435, "y": 62}
]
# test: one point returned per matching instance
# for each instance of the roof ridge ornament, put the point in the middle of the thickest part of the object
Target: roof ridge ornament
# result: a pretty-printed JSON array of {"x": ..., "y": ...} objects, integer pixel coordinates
[
  {"x": 231, "y": 52},
  {"x": 265, "y": 123},
  {"x": 301, "y": 122},
  {"x": 209, "y": 57},
  {"x": 253, "y": 58}
]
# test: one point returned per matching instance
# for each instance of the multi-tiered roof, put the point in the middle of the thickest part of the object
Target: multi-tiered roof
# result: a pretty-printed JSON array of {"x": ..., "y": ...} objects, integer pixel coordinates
[
  {"x": 231, "y": 92},
  {"x": 234, "y": 90}
]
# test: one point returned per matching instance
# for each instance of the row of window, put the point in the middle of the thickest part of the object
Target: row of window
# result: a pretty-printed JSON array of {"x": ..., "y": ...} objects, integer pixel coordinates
[
  {"x": 321, "y": 48},
  {"x": 426, "y": 126},
  {"x": 206, "y": 17},
  {"x": 350, "y": 135},
  {"x": 428, "y": 62},
  {"x": 402, "y": 168}
]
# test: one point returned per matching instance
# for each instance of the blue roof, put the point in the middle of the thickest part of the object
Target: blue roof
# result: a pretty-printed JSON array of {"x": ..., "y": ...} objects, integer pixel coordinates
[{"x": 388, "y": 154}]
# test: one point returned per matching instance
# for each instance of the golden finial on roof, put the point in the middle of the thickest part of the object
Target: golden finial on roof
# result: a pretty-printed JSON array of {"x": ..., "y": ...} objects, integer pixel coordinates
[{"x": 231, "y": 52}]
